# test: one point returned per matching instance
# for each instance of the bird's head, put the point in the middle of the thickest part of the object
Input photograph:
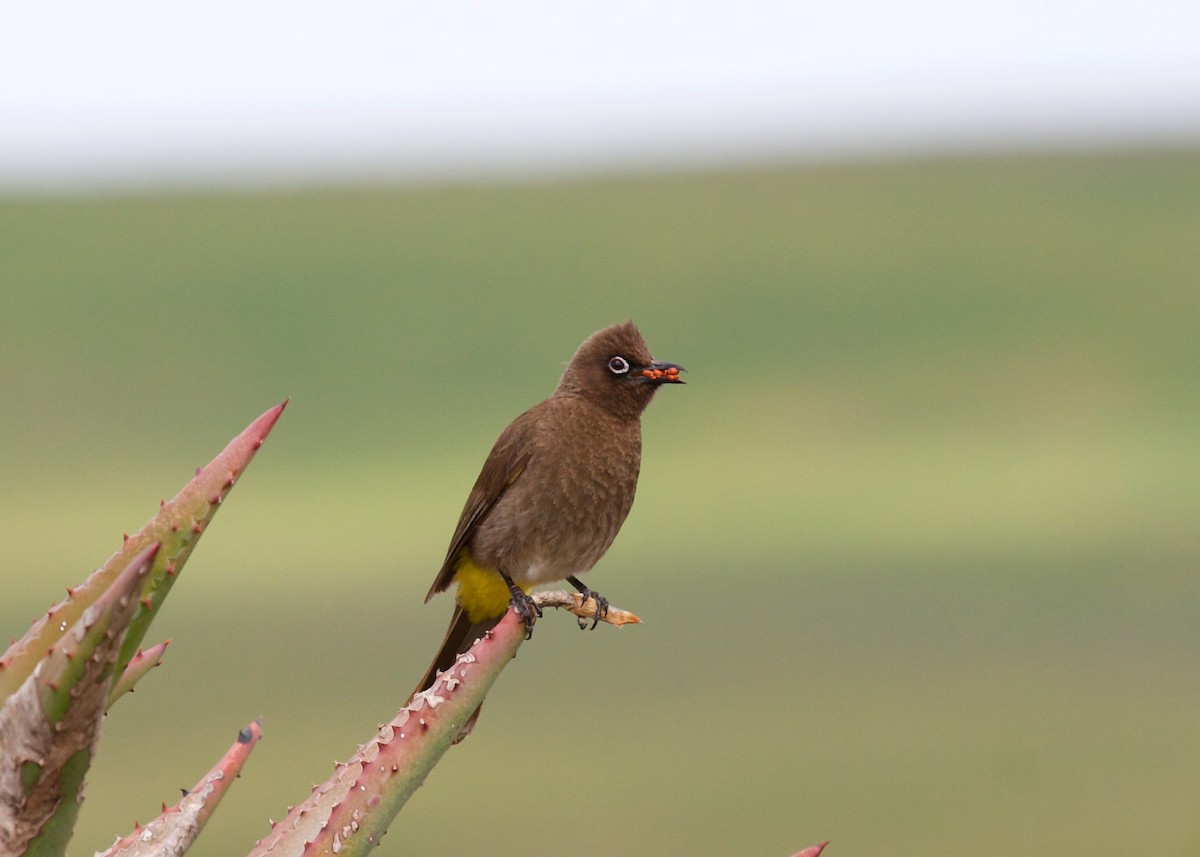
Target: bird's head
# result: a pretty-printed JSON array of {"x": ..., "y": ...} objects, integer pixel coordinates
[{"x": 614, "y": 369}]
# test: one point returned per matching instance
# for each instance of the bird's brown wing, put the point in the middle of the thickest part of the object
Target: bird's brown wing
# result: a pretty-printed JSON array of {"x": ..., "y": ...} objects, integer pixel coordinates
[{"x": 503, "y": 467}]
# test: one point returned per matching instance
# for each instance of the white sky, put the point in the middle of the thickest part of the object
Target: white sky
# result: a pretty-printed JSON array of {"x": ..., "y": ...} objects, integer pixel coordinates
[{"x": 268, "y": 91}]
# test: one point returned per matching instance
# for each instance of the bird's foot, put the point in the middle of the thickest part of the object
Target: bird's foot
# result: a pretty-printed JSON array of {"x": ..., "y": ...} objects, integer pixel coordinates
[
  {"x": 524, "y": 605},
  {"x": 527, "y": 609},
  {"x": 586, "y": 593}
]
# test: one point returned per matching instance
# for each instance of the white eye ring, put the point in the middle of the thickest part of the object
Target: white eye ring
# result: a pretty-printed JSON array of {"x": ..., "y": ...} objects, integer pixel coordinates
[{"x": 618, "y": 365}]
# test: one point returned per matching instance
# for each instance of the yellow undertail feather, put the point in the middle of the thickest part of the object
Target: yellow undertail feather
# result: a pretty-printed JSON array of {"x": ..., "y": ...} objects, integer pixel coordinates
[{"x": 482, "y": 592}]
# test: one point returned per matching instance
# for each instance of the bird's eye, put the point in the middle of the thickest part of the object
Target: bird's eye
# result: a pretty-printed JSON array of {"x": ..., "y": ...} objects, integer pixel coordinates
[{"x": 618, "y": 365}]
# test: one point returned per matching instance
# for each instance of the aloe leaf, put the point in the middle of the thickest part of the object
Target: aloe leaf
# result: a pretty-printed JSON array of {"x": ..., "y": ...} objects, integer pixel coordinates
[
  {"x": 51, "y": 724},
  {"x": 349, "y": 813},
  {"x": 141, "y": 663},
  {"x": 173, "y": 832},
  {"x": 177, "y": 527},
  {"x": 812, "y": 850}
]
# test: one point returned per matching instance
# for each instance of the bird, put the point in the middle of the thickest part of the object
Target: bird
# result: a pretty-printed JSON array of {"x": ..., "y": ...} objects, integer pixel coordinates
[{"x": 553, "y": 492}]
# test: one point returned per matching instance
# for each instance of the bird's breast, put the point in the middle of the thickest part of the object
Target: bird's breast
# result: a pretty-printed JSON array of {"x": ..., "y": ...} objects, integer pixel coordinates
[{"x": 563, "y": 513}]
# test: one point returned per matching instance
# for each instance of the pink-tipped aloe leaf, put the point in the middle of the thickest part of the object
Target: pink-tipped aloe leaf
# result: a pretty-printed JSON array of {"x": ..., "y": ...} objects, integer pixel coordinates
[
  {"x": 173, "y": 832},
  {"x": 141, "y": 663},
  {"x": 50, "y": 725},
  {"x": 177, "y": 527},
  {"x": 347, "y": 815}
]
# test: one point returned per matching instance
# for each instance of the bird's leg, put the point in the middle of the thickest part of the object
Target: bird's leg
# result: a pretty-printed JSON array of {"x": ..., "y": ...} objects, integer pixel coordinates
[
  {"x": 525, "y": 606},
  {"x": 601, "y": 601}
]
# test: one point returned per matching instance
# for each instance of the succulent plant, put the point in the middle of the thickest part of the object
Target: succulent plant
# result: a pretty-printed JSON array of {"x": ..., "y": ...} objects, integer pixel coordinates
[
  {"x": 82, "y": 655},
  {"x": 59, "y": 679},
  {"x": 75, "y": 661}
]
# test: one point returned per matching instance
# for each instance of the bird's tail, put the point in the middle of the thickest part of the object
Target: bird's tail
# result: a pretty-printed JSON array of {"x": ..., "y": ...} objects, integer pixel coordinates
[{"x": 460, "y": 636}]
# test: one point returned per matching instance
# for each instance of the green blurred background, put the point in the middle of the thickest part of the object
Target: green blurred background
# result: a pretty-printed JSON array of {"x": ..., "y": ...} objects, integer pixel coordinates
[{"x": 916, "y": 547}]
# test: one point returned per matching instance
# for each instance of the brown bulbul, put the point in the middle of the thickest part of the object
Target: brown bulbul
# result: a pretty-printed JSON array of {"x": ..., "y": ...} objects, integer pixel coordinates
[{"x": 553, "y": 492}]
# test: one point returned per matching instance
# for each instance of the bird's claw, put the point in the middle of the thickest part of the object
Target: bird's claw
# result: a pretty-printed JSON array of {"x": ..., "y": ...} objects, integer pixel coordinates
[
  {"x": 601, "y": 607},
  {"x": 528, "y": 609},
  {"x": 522, "y": 604}
]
